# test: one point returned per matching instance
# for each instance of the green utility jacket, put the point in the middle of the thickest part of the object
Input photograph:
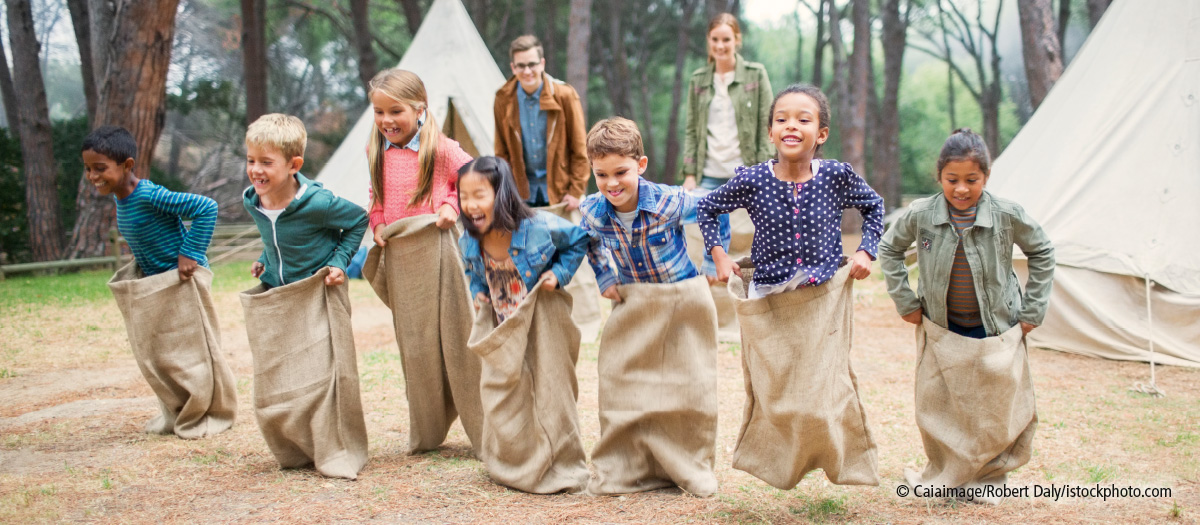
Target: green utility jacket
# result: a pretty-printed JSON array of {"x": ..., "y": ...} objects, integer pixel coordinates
[
  {"x": 751, "y": 95},
  {"x": 317, "y": 229},
  {"x": 999, "y": 223}
]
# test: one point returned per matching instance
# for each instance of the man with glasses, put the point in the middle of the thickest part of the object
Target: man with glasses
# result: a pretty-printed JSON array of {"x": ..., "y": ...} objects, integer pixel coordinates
[{"x": 540, "y": 130}]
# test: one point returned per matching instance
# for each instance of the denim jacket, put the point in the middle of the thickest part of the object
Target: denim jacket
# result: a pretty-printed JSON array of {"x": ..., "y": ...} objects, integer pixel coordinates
[
  {"x": 544, "y": 241},
  {"x": 999, "y": 223}
]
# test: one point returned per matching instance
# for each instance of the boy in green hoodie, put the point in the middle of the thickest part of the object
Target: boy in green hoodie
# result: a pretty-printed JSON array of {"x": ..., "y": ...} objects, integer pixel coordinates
[{"x": 304, "y": 227}]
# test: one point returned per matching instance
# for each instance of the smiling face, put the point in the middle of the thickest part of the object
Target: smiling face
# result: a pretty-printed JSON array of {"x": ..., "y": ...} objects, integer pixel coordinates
[
  {"x": 272, "y": 174},
  {"x": 396, "y": 120},
  {"x": 795, "y": 127},
  {"x": 478, "y": 200},
  {"x": 962, "y": 182},
  {"x": 722, "y": 43},
  {"x": 108, "y": 176},
  {"x": 528, "y": 68},
  {"x": 617, "y": 177}
]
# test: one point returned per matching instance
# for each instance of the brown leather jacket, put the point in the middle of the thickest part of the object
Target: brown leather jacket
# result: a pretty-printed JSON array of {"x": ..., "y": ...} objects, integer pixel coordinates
[{"x": 567, "y": 168}]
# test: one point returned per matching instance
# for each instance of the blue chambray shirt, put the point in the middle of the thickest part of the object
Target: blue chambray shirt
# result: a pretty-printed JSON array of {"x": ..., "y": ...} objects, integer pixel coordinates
[
  {"x": 413, "y": 144},
  {"x": 533, "y": 136},
  {"x": 653, "y": 249},
  {"x": 544, "y": 241}
]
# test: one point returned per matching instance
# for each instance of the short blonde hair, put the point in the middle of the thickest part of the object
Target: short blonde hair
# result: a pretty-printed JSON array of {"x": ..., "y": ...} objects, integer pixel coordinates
[
  {"x": 615, "y": 136},
  {"x": 283, "y": 132}
]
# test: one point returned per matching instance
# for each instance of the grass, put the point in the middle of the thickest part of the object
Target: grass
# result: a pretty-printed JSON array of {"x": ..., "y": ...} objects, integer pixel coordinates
[{"x": 100, "y": 467}]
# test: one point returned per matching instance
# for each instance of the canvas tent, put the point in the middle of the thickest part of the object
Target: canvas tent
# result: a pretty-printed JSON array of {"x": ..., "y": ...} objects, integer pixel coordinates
[
  {"x": 461, "y": 80},
  {"x": 1110, "y": 166}
]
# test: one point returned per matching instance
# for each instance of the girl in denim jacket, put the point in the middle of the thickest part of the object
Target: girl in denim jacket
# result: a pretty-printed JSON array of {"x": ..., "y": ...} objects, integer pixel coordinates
[
  {"x": 964, "y": 239},
  {"x": 508, "y": 246}
]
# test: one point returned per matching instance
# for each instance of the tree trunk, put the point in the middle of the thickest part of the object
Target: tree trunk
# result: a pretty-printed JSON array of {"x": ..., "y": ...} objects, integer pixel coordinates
[
  {"x": 1064, "y": 19},
  {"x": 671, "y": 167},
  {"x": 887, "y": 149},
  {"x": 8, "y": 94},
  {"x": 854, "y": 124},
  {"x": 818, "y": 71},
  {"x": 132, "y": 94},
  {"x": 618, "y": 84},
  {"x": 579, "y": 36},
  {"x": 412, "y": 14},
  {"x": 1040, "y": 47},
  {"x": 83, "y": 38},
  {"x": 1096, "y": 10},
  {"x": 254, "y": 57},
  {"x": 530, "y": 10},
  {"x": 551, "y": 39},
  {"x": 840, "y": 87},
  {"x": 949, "y": 58},
  {"x": 368, "y": 64},
  {"x": 37, "y": 143}
]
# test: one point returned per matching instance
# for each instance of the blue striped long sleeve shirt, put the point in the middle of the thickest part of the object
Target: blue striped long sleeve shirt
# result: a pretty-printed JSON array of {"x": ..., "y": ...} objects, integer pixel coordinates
[{"x": 151, "y": 220}]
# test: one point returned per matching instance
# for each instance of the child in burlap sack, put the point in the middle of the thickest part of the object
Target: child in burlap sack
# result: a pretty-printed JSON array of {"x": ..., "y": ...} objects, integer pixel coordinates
[
  {"x": 306, "y": 395},
  {"x": 796, "y": 309},
  {"x": 517, "y": 262},
  {"x": 171, "y": 322},
  {"x": 971, "y": 318},
  {"x": 657, "y": 362}
]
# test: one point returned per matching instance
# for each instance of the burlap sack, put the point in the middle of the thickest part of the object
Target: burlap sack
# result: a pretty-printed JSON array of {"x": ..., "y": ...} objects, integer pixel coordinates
[
  {"x": 306, "y": 397},
  {"x": 658, "y": 391},
  {"x": 741, "y": 237},
  {"x": 530, "y": 425},
  {"x": 176, "y": 340},
  {"x": 975, "y": 406},
  {"x": 583, "y": 288},
  {"x": 420, "y": 276},
  {"x": 802, "y": 407}
]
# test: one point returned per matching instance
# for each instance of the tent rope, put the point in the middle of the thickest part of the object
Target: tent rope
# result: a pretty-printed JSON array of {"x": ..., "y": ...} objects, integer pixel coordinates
[{"x": 1149, "y": 389}]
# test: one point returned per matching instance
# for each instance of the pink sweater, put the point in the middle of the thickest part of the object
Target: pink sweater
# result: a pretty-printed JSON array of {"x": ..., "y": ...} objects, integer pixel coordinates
[{"x": 400, "y": 168}]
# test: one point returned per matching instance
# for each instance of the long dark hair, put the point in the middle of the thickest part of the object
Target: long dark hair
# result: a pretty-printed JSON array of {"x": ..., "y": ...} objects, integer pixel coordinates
[{"x": 508, "y": 210}]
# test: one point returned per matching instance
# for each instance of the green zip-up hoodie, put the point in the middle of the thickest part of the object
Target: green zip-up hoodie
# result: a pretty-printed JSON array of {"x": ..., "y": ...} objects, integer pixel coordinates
[
  {"x": 316, "y": 230},
  {"x": 999, "y": 224}
]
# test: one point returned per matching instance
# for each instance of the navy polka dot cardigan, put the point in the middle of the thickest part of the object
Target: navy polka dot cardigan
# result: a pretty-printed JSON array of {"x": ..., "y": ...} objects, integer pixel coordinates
[{"x": 800, "y": 232}]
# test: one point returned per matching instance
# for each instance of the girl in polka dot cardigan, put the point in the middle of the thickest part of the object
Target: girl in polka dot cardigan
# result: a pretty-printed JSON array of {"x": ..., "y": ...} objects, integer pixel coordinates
[{"x": 796, "y": 202}]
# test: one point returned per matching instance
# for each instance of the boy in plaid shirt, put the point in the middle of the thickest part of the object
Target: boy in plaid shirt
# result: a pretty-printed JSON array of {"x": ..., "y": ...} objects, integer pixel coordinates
[{"x": 638, "y": 222}]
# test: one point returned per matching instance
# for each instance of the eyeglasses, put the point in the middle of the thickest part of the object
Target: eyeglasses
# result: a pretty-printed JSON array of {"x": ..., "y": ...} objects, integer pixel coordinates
[{"x": 529, "y": 66}]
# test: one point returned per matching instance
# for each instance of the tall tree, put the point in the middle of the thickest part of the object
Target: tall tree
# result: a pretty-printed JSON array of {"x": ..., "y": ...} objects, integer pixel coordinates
[
  {"x": 254, "y": 56},
  {"x": 530, "y": 11},
  {"x": 617, "y": 70},
  {"x": 368, "y": 64},
  {"x": 1064, "y": 19},
  {"x": 37, "y": 144},
  {"x": 134, "y": 42},
  {"x": 978, "y": 39},
  {"x": 412, "y": 14},
  {"x": 854, "y": 122},
  {"x": 1096, "y": 9},
  {"x": 671, "y": 165},
  {"x": 1040, "y": 47},
  {"x": 579, "y": 36},
  {"x": 83, "y": 40},
  {"x": 886, "y": 167},
  {"x": 8, "y": 94}
]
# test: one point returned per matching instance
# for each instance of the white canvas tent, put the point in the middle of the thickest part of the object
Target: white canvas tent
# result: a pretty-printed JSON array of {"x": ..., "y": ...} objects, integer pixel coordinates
[
  {"x": 461, "y": 80},
  {"x": 1110, "y": 166}
]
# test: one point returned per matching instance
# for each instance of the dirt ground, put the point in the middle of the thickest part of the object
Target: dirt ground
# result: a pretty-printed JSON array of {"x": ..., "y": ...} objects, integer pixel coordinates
[{"x": 72, "y": 406}]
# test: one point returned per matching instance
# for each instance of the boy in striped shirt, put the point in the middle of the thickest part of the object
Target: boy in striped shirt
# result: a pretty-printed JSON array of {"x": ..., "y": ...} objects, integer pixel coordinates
[{"x": 149, "y": 216}]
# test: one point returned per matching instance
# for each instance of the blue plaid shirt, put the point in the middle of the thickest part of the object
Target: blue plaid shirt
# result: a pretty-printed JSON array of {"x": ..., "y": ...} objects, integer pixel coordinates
[{"x": 653, "y": 249}]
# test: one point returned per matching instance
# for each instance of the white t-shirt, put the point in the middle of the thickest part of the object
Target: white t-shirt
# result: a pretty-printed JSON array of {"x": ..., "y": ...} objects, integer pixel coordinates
[
  {"x": 271, "y": 214},
  {"x": 626, "y": 218},
  {"x": 723, "y": 153}
]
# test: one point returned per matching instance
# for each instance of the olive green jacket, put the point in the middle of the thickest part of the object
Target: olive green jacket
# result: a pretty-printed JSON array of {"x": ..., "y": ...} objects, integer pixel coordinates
[
  {"x": 999, "y": 223},
  {"x": 751, "y": 95}
]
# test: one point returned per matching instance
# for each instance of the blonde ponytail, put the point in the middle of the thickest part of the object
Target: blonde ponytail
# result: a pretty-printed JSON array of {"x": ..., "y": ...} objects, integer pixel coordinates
[{"x": 404, "y": 87}]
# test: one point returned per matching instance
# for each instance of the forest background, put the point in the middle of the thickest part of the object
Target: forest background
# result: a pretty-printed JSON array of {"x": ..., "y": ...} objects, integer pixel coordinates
[{"x": 187, "y": 75}]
